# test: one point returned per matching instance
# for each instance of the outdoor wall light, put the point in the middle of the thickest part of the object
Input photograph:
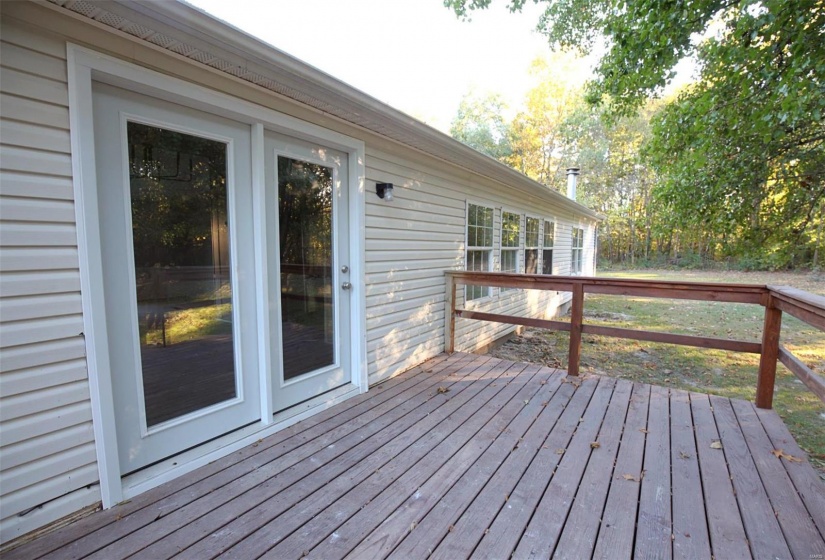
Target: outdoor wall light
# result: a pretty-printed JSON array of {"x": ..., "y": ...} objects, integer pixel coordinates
[{"x": 384, "y": 190}]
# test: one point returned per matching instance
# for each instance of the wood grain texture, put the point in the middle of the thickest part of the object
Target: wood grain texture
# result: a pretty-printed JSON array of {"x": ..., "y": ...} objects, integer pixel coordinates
[
  {"x": 806, "y": 480},
  {"x": 727, "y": 534},
  {"x": 812, "y": 380},
  {"x": 797, "y": 526},
  {"x": 680, "y": 339},
  {"x": 654, "y": 524},
  {"x": 578, "y": 539},
  {"x": 763, "y": 531},
  {"x": 525, "y": 321},
  {"x": 542, "y": 533},
  {"x": 770, "y": 354},
  {"x": 497, "y": 463},
  {"x": 576, "y": 314},
  {"x": 618, "y": 523},
  {"x": 690, "y": 525}
]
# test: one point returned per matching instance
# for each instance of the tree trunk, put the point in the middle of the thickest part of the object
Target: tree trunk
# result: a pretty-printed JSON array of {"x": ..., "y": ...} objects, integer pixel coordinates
[{"x": 819, "y": 236}]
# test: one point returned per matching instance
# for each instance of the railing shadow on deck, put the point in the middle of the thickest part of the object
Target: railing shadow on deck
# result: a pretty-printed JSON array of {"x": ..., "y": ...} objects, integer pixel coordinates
[{"x": 805, "y": 306}]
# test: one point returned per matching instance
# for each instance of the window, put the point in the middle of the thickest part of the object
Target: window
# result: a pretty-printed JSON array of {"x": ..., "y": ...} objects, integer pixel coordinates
[
  {"x": 510, "y": 241},
  {"x": 577, "y": 251},
  {"x": 547, "y": 251},
  {"x": 479, "y": 246},
  {"x": 531, "y": 245}
]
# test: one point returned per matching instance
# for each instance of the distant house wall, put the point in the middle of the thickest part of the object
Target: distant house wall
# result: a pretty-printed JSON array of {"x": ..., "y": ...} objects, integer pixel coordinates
[
  {"x": 412, "y": 240},
  {"x": 49, "y": 467}
]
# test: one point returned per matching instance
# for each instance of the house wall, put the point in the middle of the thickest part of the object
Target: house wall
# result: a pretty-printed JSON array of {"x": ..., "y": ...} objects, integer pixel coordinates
[{"x": 48, "y": 468}]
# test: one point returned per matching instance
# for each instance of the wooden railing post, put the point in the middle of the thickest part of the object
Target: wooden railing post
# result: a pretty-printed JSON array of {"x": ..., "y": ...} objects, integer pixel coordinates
[
  {"x": 770, "y": 353},
  {"x": 576, "y": 312},
  {"x": 449, "y": 316}
]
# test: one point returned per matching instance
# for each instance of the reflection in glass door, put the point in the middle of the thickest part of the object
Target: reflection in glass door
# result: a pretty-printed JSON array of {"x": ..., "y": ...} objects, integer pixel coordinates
[
  {"x": 307, "y": 197},
  {"x": 307, "y": 294},
  {"x": 178, "y": 273},
  {"x": 181, "y": 254}
]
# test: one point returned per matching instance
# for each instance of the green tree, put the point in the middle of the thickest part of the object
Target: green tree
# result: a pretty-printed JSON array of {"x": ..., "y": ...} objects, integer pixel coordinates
[
  {"x": 536, "y": 132},
  {"x": 740, "y": 155},
  {"x": 480, "y": 124}
]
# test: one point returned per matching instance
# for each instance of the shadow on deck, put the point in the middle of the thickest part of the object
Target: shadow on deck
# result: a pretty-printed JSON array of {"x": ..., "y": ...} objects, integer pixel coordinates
[{"x": 469, "y": 455}]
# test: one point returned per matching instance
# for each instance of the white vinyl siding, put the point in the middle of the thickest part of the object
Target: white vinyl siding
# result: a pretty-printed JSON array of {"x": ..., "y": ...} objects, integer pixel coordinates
[
  {"x": 49, "y": 467},
  {"x": 412, "y": 240}
]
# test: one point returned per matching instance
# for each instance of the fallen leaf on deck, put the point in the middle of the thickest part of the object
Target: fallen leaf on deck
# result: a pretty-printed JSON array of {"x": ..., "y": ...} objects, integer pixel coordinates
[
  {"x": 560, "y": 451},
  {"x": 782, "y": 455},
  {"x": 451, "y": 528},
  {"x": 684, "y": 455},
  {"x": 630, "y": 477},
  {"x": 716, "y": 444},
  {"x": 595, "y": 445},
  {"x": 644, "y": 431},
  {"x": 443, "y": 389}
]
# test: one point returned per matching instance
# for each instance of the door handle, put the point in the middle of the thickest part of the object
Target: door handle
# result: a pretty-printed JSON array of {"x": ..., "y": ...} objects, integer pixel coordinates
[{"x": 346, "y": 286}]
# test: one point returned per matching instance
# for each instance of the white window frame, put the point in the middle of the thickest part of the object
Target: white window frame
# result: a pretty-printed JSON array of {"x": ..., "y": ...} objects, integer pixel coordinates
[
  {"x": 509, "y": 249},
  {"x": 485, "y": 291},
  {"x": 84, "y": 65},
  {"x": 537, "y": 246},
  {"x": 544, "y": 247},
  {"x": 577, "y": 251}
]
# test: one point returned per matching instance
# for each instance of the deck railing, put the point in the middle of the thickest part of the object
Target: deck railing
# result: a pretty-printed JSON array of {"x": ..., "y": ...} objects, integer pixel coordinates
[{"x": 805, "y": 306}]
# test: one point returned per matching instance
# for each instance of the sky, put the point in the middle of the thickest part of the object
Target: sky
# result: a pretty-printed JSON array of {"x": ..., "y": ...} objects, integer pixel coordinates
[{"x": 415, "y": 55}]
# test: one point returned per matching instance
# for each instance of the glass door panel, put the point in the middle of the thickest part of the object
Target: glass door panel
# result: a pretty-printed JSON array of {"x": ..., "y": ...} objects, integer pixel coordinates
[
  {"x": 307, "y": 201},
  {"x": 180, "y": 305},
  {"x": 306, "y": 248},
  {"x": 181, "y": 254}
]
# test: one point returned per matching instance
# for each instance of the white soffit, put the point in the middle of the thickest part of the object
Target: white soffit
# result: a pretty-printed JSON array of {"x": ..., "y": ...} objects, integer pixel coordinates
[{"x": 188, "y": 31}]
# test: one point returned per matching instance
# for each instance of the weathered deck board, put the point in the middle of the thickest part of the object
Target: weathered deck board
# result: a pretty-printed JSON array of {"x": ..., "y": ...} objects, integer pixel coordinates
[
  {"x": 758, "y": 517},
  {"x": 727, "y": 534},
  {"x": 794, "y": 519},
  {"x": 654, "y": 524},
  {"x": 315, "y": 472},
  {"x": 806, "y": 481},
  {"x": 579, "y": 536},
  {"x": 690, "y": 525},
  {"x": 618, "y": 523},
  {"x": 499, "y": 464},
  {"x": 454, "y": 489},
  {"x": 502, "y": 535},
  {"x": 473, "y": 515}
]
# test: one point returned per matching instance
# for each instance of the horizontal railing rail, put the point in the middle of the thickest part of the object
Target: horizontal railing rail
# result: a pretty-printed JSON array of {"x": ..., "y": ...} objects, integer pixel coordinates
[{"x": 805, "y": 306}]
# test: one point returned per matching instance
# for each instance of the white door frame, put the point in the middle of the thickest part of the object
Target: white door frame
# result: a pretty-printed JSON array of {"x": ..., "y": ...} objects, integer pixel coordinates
[{"x": 84, "y": 65}]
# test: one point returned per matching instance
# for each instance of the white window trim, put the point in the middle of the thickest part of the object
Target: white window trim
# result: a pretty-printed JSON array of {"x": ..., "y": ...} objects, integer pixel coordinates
[
  {"x": 537, "y": 247},
  {"x": 84, "y": 65},
  {"x": 573, "y": 251},
  {"x": 520, "y": 247},
  {"x": 544, "y": 221},
  {"x": 491, "y": 249},
  {"x": 518, "y": 250}
]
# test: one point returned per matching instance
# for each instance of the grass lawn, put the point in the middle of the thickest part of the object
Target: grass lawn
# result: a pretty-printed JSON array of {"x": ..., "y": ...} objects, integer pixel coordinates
[{"x": 718, "y": 372}]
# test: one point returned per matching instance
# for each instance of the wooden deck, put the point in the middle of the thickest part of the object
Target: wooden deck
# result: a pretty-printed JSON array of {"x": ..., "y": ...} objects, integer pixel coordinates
[{"x": 471, "y": 456}]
